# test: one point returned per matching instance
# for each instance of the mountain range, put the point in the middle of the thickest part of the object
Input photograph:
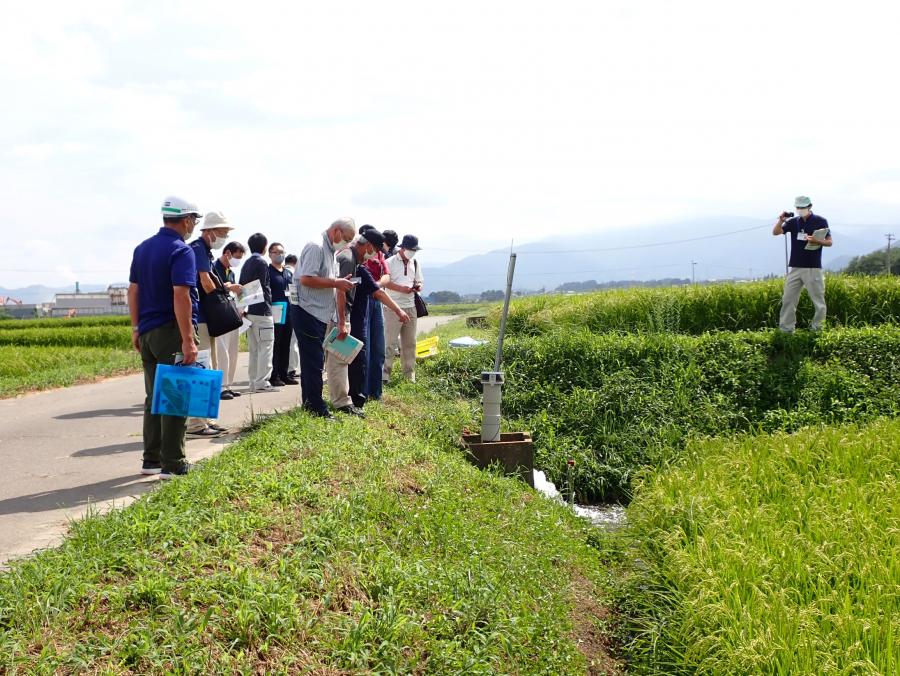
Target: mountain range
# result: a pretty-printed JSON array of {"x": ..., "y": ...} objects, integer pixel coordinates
[{"x": 721, "y": 248}]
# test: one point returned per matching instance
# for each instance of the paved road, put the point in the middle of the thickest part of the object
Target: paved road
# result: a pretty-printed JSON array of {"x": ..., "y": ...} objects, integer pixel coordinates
[{"x": 69, "y": 450}]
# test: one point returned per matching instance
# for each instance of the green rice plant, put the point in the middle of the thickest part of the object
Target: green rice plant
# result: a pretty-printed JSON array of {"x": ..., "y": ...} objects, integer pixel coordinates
[
  {"x": 619, "y": 404},
  {"x": 64, "y": 323},
  {"x": 23, "y": 369},
  {"x": 696, "y": 309},
  {"x": 769, "y": 555},
  {"x": 118, "y": 337}
]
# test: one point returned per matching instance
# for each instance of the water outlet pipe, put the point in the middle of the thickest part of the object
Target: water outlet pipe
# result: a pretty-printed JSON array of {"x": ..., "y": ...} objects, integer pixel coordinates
[{"x": 492, "y": 381}]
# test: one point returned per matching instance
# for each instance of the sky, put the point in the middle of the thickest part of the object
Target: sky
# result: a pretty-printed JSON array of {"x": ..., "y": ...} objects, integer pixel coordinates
[{"x": 469, "y": 124}]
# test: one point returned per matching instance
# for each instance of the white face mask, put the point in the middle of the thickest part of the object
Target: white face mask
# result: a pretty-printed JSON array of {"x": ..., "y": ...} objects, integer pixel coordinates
[
  {"x": 803, "y": 212},
  {"x": 409, "y": 254},
  {"x": 368, "y": 255},
  {"x": 234, "y": 263},
  {"x": 218, "y": 242}
]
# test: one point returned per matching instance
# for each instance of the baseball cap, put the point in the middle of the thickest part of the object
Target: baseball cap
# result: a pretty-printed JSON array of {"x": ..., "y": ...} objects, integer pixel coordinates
[
  {"x": 372, "y": 236},
  {"x": 802, "y": 202},
  {"x": 410, "y": 243},
  {"x": 174, "y": 207},
  {"x": 215, "y": 219}
]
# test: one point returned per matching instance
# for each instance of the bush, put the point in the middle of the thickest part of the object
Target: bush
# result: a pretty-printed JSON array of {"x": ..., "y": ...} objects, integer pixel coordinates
[{"x": 618, "y": 404}]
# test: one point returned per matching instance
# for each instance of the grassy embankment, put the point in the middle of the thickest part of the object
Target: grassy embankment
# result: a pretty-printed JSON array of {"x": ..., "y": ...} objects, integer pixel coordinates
[
  {"x": 356, "y": 546},
  {"x": 43, "y": 353},
  {"x": 748, "y": 553}
]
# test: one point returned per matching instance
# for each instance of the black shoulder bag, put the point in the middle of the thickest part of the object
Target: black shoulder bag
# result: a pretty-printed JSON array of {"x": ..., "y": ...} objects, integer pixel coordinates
[
  {"x": 421, "y": 305},
  {"x": 222, "y": 314}
]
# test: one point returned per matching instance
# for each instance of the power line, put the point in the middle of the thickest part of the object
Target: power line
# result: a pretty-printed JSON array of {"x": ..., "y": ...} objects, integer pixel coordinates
[{"x": 890, "y": 238}]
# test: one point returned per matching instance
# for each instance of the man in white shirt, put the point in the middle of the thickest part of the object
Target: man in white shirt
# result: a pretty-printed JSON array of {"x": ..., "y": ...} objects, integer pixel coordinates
[{"x": 406, "y": 281}]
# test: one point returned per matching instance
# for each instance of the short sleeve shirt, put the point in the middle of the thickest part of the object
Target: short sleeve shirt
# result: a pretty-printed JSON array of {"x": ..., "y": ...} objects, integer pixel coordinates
[
  {"x": 160, "y": 263},
  {"x": 204, "y": 259},
  {"x": 280, "y": 282},
  {"x": 796, "y": 229},
  {"x": 405, "y": 274},
  {"x": 358, "y": 296},
  {"x": 317, "y": 260}
]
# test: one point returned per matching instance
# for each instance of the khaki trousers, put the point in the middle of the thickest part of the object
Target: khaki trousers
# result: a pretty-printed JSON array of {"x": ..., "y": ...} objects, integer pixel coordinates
[
  {"x": 813, "y": 279},
  {"x": 337, "y": 375},
  {"x": 206, "y": 343},
  {"x": 404, "y": 336},
  {"x": 227, "y": 348},
  {"x": 261, "y": 342}
]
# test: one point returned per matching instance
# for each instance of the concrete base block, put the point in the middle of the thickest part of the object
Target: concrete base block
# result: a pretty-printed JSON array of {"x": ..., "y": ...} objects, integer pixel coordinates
[{"x": 514, "y": 452}]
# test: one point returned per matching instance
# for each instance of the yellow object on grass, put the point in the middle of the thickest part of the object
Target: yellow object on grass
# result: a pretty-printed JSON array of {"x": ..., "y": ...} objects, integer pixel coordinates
[{"x": 427, "y": 347}]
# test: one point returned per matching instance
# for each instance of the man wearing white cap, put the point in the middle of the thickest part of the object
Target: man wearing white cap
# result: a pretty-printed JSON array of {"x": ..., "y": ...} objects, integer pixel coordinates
[
  {"x": 808, "y": 233},
  {"x": 163, "y": 272},
  {"x": 213, "y": 236}
]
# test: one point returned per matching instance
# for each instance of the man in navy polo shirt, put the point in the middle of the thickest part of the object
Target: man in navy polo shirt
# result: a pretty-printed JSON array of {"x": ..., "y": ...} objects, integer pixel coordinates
[
  {"x": 808, "y": 233},
  {"x": 163, "y": 272}
]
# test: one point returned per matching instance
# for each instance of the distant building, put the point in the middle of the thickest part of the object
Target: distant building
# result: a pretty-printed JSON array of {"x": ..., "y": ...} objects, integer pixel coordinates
[{"x": 114, "y": 301}]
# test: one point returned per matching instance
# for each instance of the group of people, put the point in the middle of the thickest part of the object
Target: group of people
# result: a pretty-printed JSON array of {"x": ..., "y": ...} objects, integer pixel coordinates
[{"x": 338, "y": 284}]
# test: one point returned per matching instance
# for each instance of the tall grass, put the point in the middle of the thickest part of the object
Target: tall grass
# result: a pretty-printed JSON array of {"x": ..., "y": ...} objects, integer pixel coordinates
[
  {"x": 619, "y": 404},
  {"x": 696, "y": 309},
  {"x": 771, "y": 555}
]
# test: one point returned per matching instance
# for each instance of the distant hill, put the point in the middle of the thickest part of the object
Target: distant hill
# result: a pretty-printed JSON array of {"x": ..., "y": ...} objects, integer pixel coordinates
[
  {"x": 634, "y": 254},
  {"x": 44, "y": 294}
]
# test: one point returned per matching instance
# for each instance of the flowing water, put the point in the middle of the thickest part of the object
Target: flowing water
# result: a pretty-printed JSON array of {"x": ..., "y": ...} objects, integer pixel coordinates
[{"x": 602, "y": 516}]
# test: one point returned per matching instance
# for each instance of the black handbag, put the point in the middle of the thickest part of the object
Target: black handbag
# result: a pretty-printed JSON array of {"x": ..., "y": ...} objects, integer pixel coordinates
[
  {"x": 421, "y": 305},
  {"x": 222, "y": 314}
]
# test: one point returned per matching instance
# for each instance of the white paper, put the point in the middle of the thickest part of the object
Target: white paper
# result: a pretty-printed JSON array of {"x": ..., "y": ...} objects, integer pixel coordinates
[
  {"x": 204, "y": 359},
  {"x": 250, "y": 293},
  {"x": 294, "y": 293},
  {"x": 277, "y": 311},
  {"x": 245, "y": 324}
]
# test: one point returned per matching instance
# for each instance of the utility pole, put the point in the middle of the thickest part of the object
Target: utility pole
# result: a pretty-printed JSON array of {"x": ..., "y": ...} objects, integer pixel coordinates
[
  {"x": 890, "y": 238},
  {"x": 693, "y": 276}
]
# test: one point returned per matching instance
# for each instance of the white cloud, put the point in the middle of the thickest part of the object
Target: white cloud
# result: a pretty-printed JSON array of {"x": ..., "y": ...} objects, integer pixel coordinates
[{"x": 469, "y": 124}]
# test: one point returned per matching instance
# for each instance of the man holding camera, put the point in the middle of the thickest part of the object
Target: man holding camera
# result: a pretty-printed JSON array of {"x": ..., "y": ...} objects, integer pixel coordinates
[{"x": 808, "y": 233}]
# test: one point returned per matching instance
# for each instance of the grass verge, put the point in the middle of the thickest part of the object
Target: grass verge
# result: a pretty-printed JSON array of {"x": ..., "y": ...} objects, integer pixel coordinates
[
  {"x": 308, "y": 546},
  {"x": 770, "y": 555},
  {"x": 28, "y": 368}
]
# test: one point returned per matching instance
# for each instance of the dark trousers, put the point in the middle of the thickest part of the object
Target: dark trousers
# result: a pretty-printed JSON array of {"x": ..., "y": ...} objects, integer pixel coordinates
[
  {"x": 163, "y": 434},
  {"x": 358, "y": 369},
  {"x": 281, "y": 352},
  {"x": 310, "y": 334},
  {"x": 375, "y": 344}
]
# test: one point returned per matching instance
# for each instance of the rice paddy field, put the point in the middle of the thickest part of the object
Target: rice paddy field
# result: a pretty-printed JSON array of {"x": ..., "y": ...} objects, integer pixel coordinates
[
  {"x": 39, "y": 354},
  {"x": 761, "y": 470},
  {"x": 761, "y": 474}
]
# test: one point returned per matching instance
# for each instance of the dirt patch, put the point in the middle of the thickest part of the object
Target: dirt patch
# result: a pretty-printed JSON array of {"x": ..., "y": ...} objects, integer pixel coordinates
[{"x": 590, "y": 620}]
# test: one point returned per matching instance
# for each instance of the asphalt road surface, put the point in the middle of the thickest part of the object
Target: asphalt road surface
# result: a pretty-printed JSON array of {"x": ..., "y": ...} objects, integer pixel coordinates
[{"x": 76, "y": 449}]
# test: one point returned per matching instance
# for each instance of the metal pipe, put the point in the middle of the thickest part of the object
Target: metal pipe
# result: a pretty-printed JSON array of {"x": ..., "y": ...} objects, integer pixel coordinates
[{"x": 509, "y": 281}]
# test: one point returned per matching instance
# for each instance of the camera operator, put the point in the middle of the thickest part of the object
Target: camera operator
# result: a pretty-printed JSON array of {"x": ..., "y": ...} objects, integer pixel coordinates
[{"x": 808, "y": 234}]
